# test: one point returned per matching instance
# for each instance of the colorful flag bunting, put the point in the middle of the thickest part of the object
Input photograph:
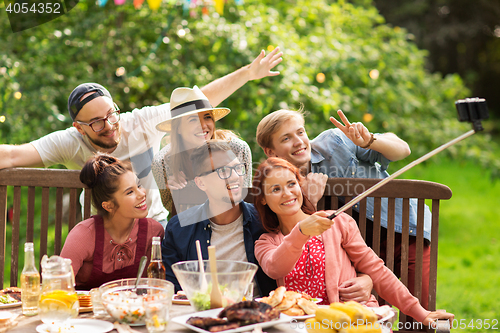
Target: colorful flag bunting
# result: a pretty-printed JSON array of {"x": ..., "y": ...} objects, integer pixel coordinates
[
  {"x": 154, "y": 4},
  {"x": 219, "y": 6},
  {"x": 138, "y": 3}
]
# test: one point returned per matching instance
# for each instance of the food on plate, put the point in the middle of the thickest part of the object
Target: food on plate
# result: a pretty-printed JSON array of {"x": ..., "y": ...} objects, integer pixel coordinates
[
  {"x": 236, "y": 315},
  {"x": 181, "y": 295},
  {"x": 369, "y": 315},
  {"x": 332, "y": 316},
  {"x": 84, "y": 299},
  {"x": 383, "y": 312},
  {"x": 352, "y": 311},
  {"x": 287, "y": 302},
  {"x": 201, "y": 300},
  {"x": 307, "y": 306},
  {"x": 346, "y": 317},
  {"x": 314, "y": 326},
  {"x": 7, "y": 299},
  {"x": 10, "y": 295},
  {"x": 121, "y": 306},
  {"x": 294, "y": 311},
  {"x": 276, "y": 297}
]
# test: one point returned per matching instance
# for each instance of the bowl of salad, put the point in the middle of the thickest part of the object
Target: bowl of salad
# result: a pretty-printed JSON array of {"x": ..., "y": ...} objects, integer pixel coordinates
[
  {"x": 126, "y": 305},
  {"x": 233, "y": 277}
]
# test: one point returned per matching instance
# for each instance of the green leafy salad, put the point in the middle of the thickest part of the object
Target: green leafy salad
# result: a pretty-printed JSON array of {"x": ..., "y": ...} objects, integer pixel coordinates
[
  {"x": 201, "y": 301},
  {"x": 6, "y": 299}
]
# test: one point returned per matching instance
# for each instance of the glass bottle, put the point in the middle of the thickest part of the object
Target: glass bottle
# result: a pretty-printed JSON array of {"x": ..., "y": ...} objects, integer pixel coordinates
[
  {"x": 30, "y": 282},
  {"x": 156, "y": 269}
]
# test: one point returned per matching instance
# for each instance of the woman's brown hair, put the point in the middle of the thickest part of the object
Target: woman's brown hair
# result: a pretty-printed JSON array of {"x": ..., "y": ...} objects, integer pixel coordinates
[
  {"x": 269, "y": 218},
  {"x": 101, "y": 173}
]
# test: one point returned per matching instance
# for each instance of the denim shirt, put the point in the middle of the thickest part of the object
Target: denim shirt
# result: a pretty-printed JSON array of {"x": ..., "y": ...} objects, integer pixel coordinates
[
  {"x": 179, "y": 243},
  {"x": 335, "y": 155}
]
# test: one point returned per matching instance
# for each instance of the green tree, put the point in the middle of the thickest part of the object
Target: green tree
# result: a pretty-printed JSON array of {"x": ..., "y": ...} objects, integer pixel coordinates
[
  {"x": 141, "y": 56},
  {"x": 461, "y": 36}
]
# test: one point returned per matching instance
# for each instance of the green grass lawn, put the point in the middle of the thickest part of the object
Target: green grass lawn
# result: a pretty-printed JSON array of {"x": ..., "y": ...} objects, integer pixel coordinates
[{"x": 469, "y": 242}]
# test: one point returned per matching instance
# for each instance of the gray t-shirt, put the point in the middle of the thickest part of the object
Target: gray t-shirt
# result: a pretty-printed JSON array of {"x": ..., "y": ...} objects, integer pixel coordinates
[
  {"x": 228, "y": 240},
  {"x": 139, "y": 142},
  {"x": 229, "y": 243}
]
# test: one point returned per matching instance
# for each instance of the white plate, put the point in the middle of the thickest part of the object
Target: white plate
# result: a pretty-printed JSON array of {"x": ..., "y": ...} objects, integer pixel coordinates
[
  {"x": 315, "y": 300},
  {"x": 302, "y": 317},
  {"x": 381, "y": 310},
  {"x": 80, "y": 326},
  {"x": 215, "y": 312},
  {"x": 10, "y": 305}
]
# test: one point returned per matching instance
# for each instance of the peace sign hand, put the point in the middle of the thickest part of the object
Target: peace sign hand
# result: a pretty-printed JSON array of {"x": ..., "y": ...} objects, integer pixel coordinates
[{"x": 356, "y": 132}]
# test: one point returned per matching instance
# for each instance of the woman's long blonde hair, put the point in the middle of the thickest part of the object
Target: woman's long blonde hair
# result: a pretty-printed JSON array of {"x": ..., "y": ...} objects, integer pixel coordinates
[{"x": 180, "y": 156}]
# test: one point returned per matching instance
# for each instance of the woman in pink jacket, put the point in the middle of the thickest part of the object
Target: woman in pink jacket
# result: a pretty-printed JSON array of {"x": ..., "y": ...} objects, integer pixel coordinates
[{"x": 306, "y": 252}]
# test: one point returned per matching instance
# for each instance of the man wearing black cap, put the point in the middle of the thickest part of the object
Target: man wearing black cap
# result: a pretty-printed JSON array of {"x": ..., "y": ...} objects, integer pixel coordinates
[{"x": 98, "y": 125}]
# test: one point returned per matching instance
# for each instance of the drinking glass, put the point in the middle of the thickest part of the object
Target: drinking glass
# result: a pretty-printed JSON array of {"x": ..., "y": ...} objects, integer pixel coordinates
[
  {"x": 157, "y": 308},
  {"x": 97, "y": 307}
]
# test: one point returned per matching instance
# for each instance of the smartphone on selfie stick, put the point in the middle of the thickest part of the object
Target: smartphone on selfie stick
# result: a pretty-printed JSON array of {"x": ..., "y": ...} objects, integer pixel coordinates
[{"x": 472, "y": 110}]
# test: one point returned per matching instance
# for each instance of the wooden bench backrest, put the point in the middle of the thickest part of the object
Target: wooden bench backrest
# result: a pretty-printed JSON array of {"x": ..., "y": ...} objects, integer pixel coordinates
[
  {"x": 63, "y": 181},
  {"x": 398, "y": 188}
]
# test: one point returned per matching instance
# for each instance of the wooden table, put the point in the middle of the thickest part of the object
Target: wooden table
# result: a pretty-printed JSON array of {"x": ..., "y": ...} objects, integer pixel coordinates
[{"x": 29, "y": 324}]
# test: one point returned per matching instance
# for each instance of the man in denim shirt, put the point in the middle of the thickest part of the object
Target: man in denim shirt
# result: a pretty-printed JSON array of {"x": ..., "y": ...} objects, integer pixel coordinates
[{"x": 348, "y": 151}]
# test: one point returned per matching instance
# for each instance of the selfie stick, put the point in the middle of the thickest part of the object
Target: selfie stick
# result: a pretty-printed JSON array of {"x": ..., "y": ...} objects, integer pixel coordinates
[{"x": 474, "y": 118}]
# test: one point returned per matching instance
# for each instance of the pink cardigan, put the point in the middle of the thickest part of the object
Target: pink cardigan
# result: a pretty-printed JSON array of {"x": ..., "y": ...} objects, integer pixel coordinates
[{"x": 345, "y": 253}]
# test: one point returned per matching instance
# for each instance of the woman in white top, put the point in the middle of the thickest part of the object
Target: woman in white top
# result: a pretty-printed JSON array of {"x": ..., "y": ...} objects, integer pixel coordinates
[{"x": 192, "y": 124}]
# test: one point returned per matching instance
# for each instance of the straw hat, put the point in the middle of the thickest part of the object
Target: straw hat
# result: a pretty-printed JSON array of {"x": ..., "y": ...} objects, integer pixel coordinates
[{"x": 187, "y": 101}]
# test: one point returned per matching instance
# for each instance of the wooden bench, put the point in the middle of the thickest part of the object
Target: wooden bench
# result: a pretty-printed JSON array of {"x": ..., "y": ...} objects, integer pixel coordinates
[
  {"x": 37, "y": 187},
  {"x": 398, "y": 188}
]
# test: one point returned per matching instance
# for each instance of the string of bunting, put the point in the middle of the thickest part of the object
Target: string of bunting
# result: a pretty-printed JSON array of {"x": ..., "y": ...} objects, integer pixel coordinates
[{"x": 188, "y": 5}]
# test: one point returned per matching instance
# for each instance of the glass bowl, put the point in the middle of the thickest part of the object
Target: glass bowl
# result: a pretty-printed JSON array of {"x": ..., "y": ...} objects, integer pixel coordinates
[
  {"x": 121, "y": 303},
  {"x": 233, "y": 277}
]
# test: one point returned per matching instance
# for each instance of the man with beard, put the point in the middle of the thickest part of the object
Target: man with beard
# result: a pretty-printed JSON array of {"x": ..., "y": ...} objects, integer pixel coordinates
[
  {"x": 224, "y": 220},
  {"x": 99, "y": 126}
]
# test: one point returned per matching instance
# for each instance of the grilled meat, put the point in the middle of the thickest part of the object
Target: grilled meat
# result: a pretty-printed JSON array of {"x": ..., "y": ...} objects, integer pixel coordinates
[
  {"x": 14, "y": 292},
  {"x": 239, "y": 305},
  {"x": 220, "y": 328},
  {"x": 246, "y": 316},
  {"x": 205, "y": 322}
]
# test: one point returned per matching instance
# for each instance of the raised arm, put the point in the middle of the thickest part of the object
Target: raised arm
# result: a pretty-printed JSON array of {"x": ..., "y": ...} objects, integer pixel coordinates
[
  {"x": 19, "y": 156},
  {"x": 220, "y": 89},
  {"x": 388, "y": 144}
]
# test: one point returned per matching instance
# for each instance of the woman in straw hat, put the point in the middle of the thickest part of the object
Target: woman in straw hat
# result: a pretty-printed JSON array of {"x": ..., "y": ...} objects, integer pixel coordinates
[{"x": 192, "y": 123}]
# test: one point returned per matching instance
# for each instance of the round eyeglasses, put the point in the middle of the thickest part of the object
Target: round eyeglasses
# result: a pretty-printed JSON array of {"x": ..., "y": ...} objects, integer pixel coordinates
[
  {"x": 99, "y": 124},
  {"x": 225, "y": 172}
]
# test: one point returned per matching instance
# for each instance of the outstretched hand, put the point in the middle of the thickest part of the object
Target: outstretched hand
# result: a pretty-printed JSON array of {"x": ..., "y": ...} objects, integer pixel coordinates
[
  {"x": 316, "y": 223},
  {"x": 262, "y": 65},
  {"x": 356, "y": 132}
]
